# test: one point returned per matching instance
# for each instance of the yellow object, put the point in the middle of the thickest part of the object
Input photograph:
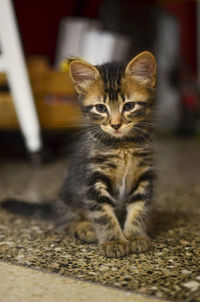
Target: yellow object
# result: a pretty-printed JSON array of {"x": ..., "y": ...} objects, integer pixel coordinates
[{"x": 64, "y": 65}]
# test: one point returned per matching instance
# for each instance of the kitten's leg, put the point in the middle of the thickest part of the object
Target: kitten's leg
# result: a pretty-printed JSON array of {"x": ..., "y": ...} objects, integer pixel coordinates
[
  {"x": 100, "y": 204},
  {"x": 109, "y": 233},
  {"x": 74, "y": 222},
  {"x": 134, "y": 228},
  {"x": 83, "y": 230},
  {"x": 137, "y": 211}
]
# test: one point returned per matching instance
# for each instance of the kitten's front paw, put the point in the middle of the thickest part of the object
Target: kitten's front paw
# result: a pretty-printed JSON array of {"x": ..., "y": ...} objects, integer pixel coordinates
[
  {"x": 139, "y": 244},
  {"x": 115, "y": 249}
]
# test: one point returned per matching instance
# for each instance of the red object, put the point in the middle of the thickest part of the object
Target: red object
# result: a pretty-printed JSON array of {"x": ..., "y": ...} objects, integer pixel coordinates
[
  {"x": 190, "y": 101},
  {"x": 186, "y": 14}
]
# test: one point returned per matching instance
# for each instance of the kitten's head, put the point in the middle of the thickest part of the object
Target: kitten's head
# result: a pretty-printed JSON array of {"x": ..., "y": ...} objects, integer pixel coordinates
[{"x": 115, "y": 98}]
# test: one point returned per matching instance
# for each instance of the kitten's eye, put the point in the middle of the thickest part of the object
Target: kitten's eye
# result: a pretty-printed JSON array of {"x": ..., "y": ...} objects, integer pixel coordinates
[
  {"x": 128, "y": 106},
  {"x": 101, "y": 108}
]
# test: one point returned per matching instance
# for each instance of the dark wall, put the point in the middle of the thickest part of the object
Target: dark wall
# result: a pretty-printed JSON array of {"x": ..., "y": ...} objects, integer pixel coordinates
[
  {"x": 186, "y": 14},
  {"x": 39, "y": 21}
]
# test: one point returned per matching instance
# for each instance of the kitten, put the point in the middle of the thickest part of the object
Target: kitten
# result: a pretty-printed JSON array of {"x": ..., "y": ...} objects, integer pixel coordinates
[{"x": 107, "y": 194}]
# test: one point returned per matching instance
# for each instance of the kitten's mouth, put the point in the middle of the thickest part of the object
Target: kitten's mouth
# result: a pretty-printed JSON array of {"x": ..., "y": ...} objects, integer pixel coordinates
[{"x": 117, "y": 133}]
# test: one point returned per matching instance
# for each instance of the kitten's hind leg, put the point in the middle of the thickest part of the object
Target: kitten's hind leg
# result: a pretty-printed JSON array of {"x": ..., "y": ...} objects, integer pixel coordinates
[
  {"x": 73, "y": 222},
  {"x": 83, "y": 230}
]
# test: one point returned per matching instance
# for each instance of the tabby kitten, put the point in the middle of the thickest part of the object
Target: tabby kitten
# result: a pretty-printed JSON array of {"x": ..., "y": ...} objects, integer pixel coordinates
[
  {"x": 110, "y": 182},
  {"x": 107, "y": 194}
]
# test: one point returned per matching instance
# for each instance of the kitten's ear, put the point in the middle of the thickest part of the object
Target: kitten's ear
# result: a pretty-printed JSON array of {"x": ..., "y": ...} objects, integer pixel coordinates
[
  {"x": 143, "y": 68},
  {"x": 82, "y": 74}
]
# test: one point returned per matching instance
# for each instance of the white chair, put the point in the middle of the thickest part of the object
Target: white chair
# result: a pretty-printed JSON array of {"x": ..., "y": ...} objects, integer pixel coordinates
[{"x": 13, "y": 64}]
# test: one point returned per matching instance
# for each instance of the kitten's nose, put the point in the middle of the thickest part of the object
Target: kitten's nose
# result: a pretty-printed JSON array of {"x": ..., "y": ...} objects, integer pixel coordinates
[{"x": 116, "y": 126}]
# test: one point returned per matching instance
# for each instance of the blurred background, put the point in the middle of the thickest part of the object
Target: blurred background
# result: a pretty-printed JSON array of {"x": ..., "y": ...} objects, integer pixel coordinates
[
  {"x": 40, "y": 119},
  {"x": 98, "y": 31}
]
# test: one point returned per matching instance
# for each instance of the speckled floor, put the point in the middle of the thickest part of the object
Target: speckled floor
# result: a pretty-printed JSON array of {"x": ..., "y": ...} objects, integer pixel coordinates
[{"x": 170, "y": 270}]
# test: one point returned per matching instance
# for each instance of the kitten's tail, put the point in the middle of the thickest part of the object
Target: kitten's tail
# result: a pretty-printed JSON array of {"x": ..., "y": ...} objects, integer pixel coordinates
[{"x": 36, "y": 210}]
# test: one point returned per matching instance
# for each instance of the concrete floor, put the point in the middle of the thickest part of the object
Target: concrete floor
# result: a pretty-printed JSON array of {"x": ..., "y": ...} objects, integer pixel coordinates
[
  {"x": 170, "y": 270},
  {"x": 22, "y": 284}
]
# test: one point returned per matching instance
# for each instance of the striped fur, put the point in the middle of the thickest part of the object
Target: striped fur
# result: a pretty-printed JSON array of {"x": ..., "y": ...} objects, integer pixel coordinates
[
  {"x": 107, "y": 194},
  {"x": 112, "y": 172}
]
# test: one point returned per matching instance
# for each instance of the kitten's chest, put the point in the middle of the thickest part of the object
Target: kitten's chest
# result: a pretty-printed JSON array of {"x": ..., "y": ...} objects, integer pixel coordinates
[{"x": 125, "y": 174}]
